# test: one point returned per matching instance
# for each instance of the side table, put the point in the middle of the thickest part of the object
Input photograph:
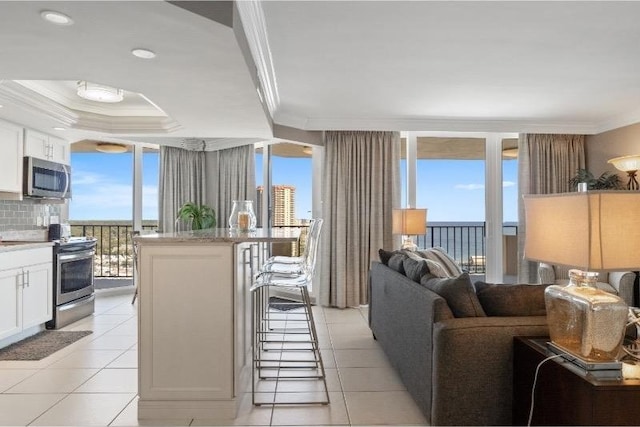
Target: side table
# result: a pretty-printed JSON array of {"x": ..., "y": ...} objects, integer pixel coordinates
[{"x": 565, "y": 394}]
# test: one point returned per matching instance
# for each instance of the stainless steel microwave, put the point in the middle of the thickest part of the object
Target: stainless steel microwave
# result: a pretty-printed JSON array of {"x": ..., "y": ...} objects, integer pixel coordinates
[{"x": 43, "y": 178}]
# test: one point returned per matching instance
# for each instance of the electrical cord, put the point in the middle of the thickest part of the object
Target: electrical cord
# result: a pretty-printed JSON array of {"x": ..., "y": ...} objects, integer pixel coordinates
[{"x": 535, "y": 380}]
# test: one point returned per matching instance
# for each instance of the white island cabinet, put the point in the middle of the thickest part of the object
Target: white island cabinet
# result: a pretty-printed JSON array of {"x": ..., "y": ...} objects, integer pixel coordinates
[
  {"x": 194, "y": 320},
  {"x": 25, "y": 290}
]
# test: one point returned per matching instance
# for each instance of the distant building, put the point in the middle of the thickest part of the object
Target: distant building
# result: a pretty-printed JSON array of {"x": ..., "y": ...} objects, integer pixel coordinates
[{"x": 283, "y": 202}]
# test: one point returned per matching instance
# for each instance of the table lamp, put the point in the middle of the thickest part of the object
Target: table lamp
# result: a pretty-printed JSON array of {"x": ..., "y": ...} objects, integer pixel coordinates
[
  {"x": 594, "y": 230},
  {"x": 409, "y": 222}
]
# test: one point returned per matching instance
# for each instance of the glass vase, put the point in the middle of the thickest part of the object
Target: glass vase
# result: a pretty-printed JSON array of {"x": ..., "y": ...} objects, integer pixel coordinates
[
  {"x": 585, "y": 321},
  {"x": 242, "y": 217}
]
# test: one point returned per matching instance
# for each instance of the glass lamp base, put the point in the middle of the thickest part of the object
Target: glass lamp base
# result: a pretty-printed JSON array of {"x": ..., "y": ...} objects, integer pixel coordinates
[{"x": 585, "y": 321}]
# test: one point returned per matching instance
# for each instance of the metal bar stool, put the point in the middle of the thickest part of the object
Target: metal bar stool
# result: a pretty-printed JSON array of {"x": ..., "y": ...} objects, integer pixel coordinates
[{"x": 271, "y": 342}]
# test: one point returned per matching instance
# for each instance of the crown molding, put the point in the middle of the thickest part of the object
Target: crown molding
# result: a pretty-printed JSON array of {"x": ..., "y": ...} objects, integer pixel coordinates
[
  {"x": 255, "y": 29},
  {"x": 622, "y": 120},
  {"x": 37, "y": 104},
  {"x": 40, "y": 105},
  {"x": 434, "y": 124}
]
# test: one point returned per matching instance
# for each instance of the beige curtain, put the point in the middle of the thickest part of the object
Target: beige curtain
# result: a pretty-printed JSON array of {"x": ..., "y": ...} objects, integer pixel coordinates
[
  {"x": 182, "y": 180},
  {"x": 361, "y": 184},
  {"x": 546, "y": 163}
]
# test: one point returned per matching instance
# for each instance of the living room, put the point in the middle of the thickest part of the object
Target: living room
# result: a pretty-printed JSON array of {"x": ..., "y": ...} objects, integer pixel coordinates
[{"x": 480, "y": 69}]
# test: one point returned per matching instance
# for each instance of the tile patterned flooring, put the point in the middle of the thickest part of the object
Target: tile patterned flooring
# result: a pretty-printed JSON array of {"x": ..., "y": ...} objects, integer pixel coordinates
[{"x": 93, "y": 382}]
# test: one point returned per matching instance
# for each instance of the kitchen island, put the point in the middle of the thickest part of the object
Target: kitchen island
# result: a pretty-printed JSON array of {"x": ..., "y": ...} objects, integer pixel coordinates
[{"x": 194, "y": 320}]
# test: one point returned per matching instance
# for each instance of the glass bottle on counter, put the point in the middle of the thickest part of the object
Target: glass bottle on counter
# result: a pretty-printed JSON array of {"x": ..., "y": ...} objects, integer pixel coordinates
[{"x": 242, "y": 217}]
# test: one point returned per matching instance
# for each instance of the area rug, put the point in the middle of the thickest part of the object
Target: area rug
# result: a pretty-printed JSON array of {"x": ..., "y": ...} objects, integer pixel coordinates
[
  {"x": 283, "y": 304},
  {"x": 41, "y": 345}
]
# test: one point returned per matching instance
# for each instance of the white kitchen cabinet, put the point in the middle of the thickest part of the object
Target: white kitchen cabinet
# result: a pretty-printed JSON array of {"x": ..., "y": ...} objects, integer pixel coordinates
[
  {"x": 43, "y": 146},
  {"x": 11, "y": 160},
  {"x": 26, "y": 289}
]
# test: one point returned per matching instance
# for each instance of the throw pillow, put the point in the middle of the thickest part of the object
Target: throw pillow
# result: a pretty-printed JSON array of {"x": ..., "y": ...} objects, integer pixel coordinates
[
  {"x": 511, "y": 300},
  {"x": 396, "y": 262},
  {"x": 436, "y": 269},
  {"x": 439, "y": 255},
  {"x": 458, "y": 292},
  {"x": 414, "y": 269},
  {"x": 385, "y": 256}
]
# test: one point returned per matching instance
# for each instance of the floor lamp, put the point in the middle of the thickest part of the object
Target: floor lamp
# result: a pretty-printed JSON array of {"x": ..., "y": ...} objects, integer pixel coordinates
[
  {"x": 630, "y": 165},
  {"x": 409, "y": 222},
  {"x": 592, "y": 231}
]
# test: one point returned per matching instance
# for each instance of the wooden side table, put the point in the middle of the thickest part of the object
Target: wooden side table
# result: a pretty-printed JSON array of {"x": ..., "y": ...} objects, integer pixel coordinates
[{"x": 564, "y": 394}]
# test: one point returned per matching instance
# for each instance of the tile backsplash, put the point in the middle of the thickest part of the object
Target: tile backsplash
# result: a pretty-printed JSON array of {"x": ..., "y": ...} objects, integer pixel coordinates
[{"x": 24, "y": 214}]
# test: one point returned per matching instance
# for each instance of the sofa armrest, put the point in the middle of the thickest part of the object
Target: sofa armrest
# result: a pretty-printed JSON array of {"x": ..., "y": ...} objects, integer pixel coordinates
[
  {"x": 473, "y": 368},
  {"x": 546, "y": 274},
  {"x": 623, "y": 281}
]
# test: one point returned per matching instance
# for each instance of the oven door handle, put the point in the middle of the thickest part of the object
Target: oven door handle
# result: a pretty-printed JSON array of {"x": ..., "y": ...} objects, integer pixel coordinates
[{"x": 78, "y": 255}]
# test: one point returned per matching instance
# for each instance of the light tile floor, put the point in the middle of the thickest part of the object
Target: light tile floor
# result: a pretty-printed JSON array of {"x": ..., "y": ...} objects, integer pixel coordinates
[{"x": 93, "y": 382}]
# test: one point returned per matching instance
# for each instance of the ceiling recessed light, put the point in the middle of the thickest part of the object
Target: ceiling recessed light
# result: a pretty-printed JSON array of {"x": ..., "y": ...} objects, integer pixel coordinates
[
  {"x": 58, "y": 128},
  {"x": 99, "y": 93},
  {"x": 143, "y": 53},
  {"x": 56, "y": 17}
]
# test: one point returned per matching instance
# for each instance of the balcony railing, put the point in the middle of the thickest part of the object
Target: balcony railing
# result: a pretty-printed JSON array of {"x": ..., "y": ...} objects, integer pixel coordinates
[
  {"x": 114, "y": 252},
  {"x": 465, "y": 242}
]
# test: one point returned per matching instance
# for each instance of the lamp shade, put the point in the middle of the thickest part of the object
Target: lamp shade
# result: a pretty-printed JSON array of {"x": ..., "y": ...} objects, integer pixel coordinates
[
  {"x": 409, "y": 221},
  {"x": 626, "y": 163},
  {"x": 596, "y": 230}
]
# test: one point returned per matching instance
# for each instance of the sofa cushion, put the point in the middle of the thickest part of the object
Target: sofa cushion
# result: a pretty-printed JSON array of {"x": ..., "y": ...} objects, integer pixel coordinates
[
  {"x": 511, "y": 300},
  {"x": 396, "y": 262},
  {"x": 450, "y": 267},
  {"x": 414, "y": 268},
  {"x": 392, "y": 259},
  {"x": 385, "y": 256},
  {"x": 458, "y": 292}
]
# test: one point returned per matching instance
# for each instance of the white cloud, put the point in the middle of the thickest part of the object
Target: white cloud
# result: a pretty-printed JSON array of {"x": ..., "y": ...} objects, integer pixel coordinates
[
  {"x": 469, "y": 186},
  {"x": 86, "y": 178},
  {"x": 508, "y": 184}
]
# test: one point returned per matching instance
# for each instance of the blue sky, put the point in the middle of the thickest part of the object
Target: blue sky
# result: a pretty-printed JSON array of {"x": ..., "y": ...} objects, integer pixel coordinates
[
  {"x": 452, "y": 190},
  {"x": 101, "y": 186}
]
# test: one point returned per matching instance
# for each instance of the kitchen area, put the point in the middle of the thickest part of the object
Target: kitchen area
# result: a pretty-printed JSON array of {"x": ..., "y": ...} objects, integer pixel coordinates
[{"x": 46, "y": 276}]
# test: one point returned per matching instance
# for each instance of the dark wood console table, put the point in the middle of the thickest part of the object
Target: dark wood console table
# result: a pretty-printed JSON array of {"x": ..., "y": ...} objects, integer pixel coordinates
[{"x": 565, "y": 395}]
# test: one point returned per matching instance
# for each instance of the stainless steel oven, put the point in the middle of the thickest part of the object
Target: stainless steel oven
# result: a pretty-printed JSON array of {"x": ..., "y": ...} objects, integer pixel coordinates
[{"x": 73, "y": 296}]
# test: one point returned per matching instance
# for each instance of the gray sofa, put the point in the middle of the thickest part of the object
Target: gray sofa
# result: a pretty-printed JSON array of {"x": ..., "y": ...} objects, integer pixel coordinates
[{"x": 458, "y": 370}]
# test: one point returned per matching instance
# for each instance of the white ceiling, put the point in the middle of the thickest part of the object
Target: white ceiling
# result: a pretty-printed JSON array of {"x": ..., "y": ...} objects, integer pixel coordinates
[
  {"x": 506, "y": 66},
  {"x": 442, "y": 66}
]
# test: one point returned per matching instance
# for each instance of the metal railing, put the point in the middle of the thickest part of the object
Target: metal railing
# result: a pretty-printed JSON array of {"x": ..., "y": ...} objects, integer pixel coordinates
[
  {"x": 114, "y": 249},
  {"x": 465, "y": 242}
]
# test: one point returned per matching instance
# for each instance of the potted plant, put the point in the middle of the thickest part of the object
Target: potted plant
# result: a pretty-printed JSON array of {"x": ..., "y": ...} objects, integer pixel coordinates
[
  {"x": 606, "y": 181},
  {"x": 200, "y": 216}
]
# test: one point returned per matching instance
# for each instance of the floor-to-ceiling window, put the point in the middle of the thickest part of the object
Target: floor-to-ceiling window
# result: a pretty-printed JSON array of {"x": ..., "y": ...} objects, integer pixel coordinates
[{"x": 458, "y": 185}]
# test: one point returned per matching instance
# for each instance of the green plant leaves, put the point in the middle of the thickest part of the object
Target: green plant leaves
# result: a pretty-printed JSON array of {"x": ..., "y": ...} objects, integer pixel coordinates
[
  {"x": 606, "y": 181},
  {"x": 200, "y": 216}
]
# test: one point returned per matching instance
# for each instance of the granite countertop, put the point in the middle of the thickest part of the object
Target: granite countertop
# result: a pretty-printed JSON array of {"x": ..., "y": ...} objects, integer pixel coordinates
[
  {"x": 9, "y": 246},
  {"x": 222, "y": 235}
]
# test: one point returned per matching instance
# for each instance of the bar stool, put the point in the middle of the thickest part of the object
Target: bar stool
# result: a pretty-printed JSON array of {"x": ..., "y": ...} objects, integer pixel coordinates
[
  {"x": 267, "y": 337},
  {"x": 294, "y": 264}
]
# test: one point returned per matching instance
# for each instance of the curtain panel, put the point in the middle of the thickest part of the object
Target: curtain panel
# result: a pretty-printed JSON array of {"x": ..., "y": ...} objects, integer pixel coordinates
[
  {"x": 182, "y": 180},
  {"x": 361, "y": 185},
  {"x": 213, "y": 178},
  {"x": 546, "y": 163},
  {"x": 231, "y": 175}
]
